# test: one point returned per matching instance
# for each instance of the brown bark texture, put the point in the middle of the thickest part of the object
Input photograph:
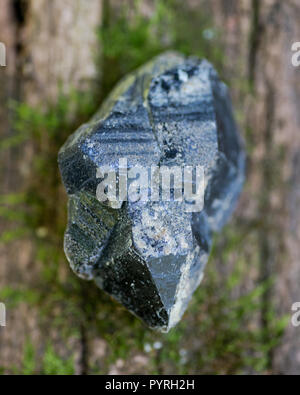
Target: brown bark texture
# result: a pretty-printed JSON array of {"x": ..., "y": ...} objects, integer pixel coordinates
[{"x": 51, "y": 47}]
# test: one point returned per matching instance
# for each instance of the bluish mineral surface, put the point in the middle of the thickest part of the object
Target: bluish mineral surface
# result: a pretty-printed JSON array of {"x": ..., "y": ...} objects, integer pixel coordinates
[{"x": 150, "y": 255}]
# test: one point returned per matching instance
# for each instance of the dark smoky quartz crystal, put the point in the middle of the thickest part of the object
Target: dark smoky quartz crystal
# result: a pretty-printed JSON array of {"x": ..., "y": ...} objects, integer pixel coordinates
[{"x": 150, "y": 255}]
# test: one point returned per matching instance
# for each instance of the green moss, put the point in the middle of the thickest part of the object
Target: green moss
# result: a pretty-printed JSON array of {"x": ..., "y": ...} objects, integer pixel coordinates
[
  {"x": 29, "y": 363},
  {"x": 216, "y": 334},
  {"x": 54, "y": 365}
]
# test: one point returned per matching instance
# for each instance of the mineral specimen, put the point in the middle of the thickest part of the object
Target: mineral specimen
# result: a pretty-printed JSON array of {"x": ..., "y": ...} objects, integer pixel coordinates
[{"x": 148, "y": 253}]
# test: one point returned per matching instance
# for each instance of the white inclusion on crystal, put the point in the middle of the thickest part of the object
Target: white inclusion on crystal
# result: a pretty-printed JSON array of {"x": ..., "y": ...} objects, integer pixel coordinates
[
  {"x": 182, "y": 75},
  {"x": 153, "y": 228},
  {"x": 156, "y": 234},
  {"x": 140, "y": 243},
  {"x": 191, "y": 90}
]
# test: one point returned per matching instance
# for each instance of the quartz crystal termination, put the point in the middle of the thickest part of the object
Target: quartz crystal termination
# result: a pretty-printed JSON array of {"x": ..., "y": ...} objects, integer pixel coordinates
[{"x": 150, "y": 255}]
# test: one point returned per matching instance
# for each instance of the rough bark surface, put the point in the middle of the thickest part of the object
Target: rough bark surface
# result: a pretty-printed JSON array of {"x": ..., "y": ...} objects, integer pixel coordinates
[
  {"x": 258, "y": 36},
  {"x": 50, "y": 45},
  {"x": 50, "y": 42}
]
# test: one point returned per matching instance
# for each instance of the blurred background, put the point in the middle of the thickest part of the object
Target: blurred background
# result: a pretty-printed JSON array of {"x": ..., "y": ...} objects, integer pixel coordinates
[{"x": 63, "y": 58}]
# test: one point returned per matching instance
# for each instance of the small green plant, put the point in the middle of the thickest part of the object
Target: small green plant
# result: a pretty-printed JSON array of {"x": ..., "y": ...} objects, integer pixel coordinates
[
  {"x": 54, "y": 365},
  {"x": 29, "y": 363}
]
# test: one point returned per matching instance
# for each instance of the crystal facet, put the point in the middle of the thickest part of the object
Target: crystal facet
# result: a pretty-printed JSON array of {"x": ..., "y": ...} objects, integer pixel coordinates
[{"x": 150, "y": 255}]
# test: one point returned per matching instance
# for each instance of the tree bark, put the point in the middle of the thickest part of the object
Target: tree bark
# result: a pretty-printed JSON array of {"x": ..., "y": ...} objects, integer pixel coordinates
[
  {"x": 258, "y": 36},
  {"x": 51, "y": 46}
]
